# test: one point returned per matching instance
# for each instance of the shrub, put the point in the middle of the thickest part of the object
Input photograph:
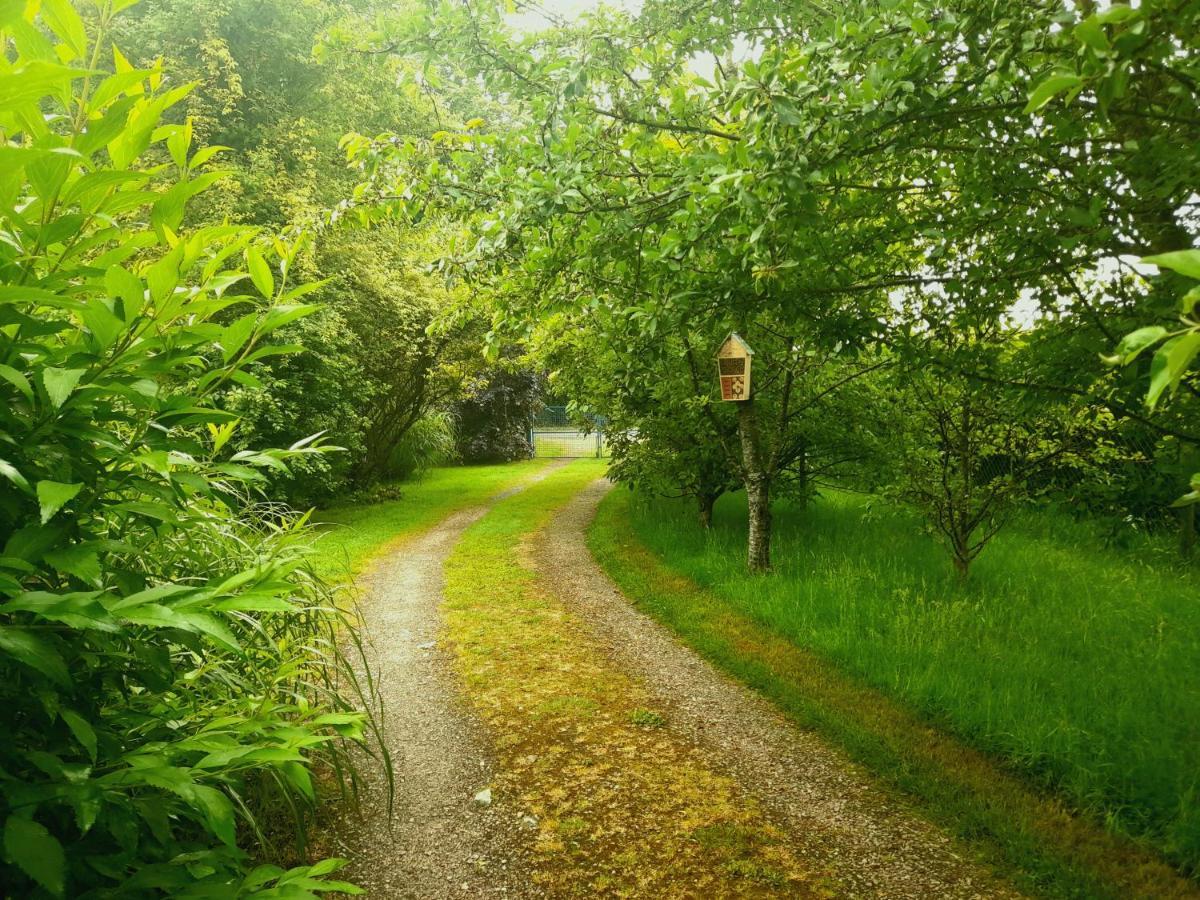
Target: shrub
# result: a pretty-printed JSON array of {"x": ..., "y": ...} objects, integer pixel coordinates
[
  {"x": 168, "y": 668},
  {"x": 496, "y": 415}
]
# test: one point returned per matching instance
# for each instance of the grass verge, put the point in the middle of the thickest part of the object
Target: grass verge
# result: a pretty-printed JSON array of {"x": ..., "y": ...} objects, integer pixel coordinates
[
  {"x": 742, "y": 625},
  {"x": 623, "y": 806},
  {"x": 353, "y": 534}
]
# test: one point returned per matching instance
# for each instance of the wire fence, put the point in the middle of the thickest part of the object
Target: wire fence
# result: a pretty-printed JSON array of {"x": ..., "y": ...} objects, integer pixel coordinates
[{"x": 554, "y": 435}]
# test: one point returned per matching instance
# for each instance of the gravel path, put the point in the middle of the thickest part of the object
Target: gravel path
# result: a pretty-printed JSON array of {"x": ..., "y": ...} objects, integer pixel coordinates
[
  {"x": 877, "y": 848},
  {"x": 439, "y": 842}
]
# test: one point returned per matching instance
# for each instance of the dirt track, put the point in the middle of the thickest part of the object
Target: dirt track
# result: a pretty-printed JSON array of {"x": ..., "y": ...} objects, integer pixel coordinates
[
  {"x": 442, "y": 843},
  {"x": 876, "y": 848}
]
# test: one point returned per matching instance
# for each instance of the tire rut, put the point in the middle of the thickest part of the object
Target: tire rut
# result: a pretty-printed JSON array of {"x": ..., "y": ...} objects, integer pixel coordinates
[
  {"x": 877, "y": 848},
  {"x": 438, "y": 842}
]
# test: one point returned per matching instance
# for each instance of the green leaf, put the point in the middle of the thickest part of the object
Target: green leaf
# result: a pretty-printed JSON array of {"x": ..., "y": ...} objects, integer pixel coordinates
[
  {"x": 1051, "y": 88},
  {"x": 163, "y": 276},
  {"x": 260, "y": 272},
  {"x": 218, "y": 813},
  {"x": 1091, "y": 33},
  {"x": 180, "y": 142},
  {"x": 80, "y": 560},
  {"x": 124, "y": 285},
  {"x": 82, "y": 729},
  {"x": 1136, "y": 341},
  {"x": 32, "y": 651},
  {"x": 81, "y": 610},
  {"x": 53, "y": 496},
  {"x": 34, "y": 81},
  {"x": 1185, "y": 262},
  {"x": 1115, "y": 14},
  {"x": 204, "y": 154},
  {"x": 65, "y": 22},
  {"x": 60, "y": 383},
  {"x": 9, "y": 471},
  {"x": 1170, "y": 364},
  {"x": 36, "y": 852},
  {"x": 284, "y": 314},
  {"x": 234, "y": 336},
  {"x": 103, "y": 324},
  {"x": 297, "y": 774},
  {"x": 326, "y": 867},
  {"x": 16, "y": 293},
  {"x": 17, "y": 380}
]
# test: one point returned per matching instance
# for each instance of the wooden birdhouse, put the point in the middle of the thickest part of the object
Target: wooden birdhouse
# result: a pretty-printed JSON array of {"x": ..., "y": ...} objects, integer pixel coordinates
[{"x": 733, "y": 368}]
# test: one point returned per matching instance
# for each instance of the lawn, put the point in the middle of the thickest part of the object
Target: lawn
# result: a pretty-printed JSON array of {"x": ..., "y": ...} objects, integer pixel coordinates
[
  {"x": 1075, "y": 663},
  {"x": 353, "y": 533}
]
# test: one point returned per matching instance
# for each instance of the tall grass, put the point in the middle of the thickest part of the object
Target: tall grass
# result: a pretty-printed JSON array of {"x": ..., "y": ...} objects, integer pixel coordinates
[{"x": 1075, "y": 662}]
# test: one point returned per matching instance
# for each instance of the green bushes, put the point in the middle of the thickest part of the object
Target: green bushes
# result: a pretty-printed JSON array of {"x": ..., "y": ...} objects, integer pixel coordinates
[{"x": 169, "y": 677}]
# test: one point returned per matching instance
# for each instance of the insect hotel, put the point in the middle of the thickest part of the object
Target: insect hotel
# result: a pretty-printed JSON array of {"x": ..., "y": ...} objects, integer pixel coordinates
[{"x": 733, "y": 368}]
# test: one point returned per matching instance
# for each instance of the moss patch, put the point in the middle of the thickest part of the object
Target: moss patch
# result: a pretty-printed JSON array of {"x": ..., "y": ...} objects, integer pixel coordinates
[{"x": 623, "y": 809}]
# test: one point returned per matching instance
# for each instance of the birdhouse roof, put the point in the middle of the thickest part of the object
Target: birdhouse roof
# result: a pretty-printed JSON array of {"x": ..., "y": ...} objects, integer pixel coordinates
[{"x": 737, "y": 340}]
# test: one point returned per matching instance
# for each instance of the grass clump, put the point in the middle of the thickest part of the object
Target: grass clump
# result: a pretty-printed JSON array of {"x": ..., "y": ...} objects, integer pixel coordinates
[
  {"x": 1052, "y": 659},
  {"x": 647, "y": 718}
]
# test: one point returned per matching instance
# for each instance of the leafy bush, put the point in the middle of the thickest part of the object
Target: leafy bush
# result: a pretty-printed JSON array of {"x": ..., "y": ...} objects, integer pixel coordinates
[
  {"x": 496, "y": 414},
  {"x": 168, "y": 668},
  {"x": 430, "y": 442}
]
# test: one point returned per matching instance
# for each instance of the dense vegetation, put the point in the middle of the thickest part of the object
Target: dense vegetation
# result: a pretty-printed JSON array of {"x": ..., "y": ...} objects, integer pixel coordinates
[
  {"x": 924, "y": 217},
  {"x": 162, "y": 729},
  {"x": 371, "y": 372},
  {"x": 959, "y": 236}
]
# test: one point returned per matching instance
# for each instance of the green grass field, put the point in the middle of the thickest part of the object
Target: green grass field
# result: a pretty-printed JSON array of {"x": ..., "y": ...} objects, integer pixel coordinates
[
  {"x": 353, "y": 533},
  {"x": 1076, "y": 664}
]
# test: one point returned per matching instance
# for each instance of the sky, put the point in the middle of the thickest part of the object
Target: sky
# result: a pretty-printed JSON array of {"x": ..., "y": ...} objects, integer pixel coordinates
[{"x": 528, "y": 20}]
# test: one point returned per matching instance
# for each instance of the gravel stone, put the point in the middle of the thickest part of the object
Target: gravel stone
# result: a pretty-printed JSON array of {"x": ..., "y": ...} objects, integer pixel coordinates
[
  {"x": 877, "y": 847},
  {"x": 438, "y": 842}
]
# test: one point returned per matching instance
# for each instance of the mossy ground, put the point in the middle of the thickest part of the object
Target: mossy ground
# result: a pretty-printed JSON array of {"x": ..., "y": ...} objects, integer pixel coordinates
[{"x": 624, "y": 806}]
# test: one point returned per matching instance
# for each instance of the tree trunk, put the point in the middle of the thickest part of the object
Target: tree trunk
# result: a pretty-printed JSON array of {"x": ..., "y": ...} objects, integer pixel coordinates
[
  {"x": 802, "y": 471},
  {"x": 706, "y": 503},
  {"x": 1187, "y": 530},
  {"x": 758, "y": 490},
  {"x": 961, "y": 555}
]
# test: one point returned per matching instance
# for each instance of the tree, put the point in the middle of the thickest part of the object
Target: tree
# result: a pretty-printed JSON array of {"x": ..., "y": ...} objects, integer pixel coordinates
[
  {"x": 278, "y": 97},
  {"x": 968, "y": 454}
]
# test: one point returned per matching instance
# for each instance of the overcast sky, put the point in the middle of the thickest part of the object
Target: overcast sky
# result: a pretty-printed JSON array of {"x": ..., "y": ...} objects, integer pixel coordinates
[{"x": 528, "y": 21}]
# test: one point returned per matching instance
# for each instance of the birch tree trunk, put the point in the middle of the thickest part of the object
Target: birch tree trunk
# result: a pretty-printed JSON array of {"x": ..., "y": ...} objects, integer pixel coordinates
[{"x": 758, "y": 490}]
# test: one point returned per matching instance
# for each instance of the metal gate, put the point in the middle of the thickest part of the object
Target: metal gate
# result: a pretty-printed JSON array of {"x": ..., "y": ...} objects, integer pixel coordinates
[{"x": 554, "y": 435}]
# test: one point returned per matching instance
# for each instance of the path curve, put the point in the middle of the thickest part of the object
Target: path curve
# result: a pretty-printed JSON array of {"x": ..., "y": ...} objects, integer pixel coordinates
[
  {"x": 439, "y": 842},
  {"x": 876, "y": 847}
]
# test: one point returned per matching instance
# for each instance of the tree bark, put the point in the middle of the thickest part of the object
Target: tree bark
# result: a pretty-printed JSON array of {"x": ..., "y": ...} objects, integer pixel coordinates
[
  {"x": 758, "y": 490},
  {"x": 705, "y": 515},
  {"x": 1187, "y": 530}
]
